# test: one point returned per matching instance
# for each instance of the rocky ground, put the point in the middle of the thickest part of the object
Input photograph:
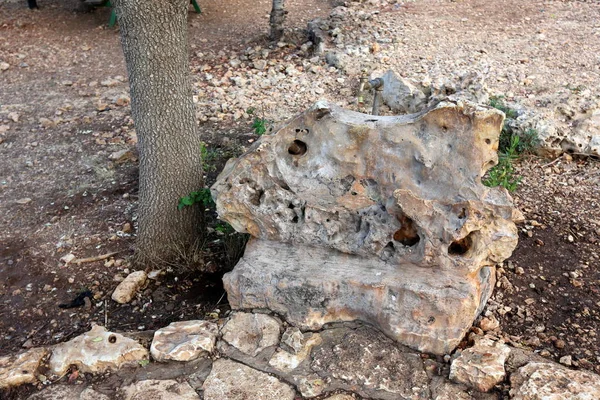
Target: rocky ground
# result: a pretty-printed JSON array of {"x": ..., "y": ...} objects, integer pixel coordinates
[{"x": 68, "y": 166}]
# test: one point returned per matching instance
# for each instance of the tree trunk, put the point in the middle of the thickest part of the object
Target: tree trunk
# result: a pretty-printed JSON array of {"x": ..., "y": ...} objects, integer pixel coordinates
[
  {"x": 155, "y": 43},
  {"x": 277, "y": 19}
]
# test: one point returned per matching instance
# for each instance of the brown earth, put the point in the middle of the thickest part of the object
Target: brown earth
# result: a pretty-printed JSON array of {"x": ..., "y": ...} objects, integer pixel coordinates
[{"x": 60, "y": 193}]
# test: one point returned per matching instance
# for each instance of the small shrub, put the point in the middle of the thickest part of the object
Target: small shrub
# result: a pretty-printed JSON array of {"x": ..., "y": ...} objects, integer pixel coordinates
[
  {"x": 503, "y": 174},
  {"x": 260, "y": 126},
  {"x": 201, "y": 196}
]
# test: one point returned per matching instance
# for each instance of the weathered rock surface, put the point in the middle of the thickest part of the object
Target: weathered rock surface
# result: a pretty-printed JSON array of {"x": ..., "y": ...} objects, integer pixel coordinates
[
  {"x": 230, "y": 380},
  {"x": 20, "y": 368},
  {"x": 159, "y": 390},
  {"x": 184, "y": 341},
  {"x": 68, "y": 392},
  {"x": 481, "y": 366},
  {"x": 96, "y": 351},
  {"x": 125, "y": 291},
  {"x": 286, "y": 361},
  {"x": 251, "y": 333},
  {"x": 382, "y": 219},
  {"x": 549, "y": 381}
]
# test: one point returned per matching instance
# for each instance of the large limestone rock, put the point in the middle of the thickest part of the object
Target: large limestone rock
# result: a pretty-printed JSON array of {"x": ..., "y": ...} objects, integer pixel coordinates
[
  {"x": 542, "y": 381},
  {"x": 382, "y": 219},
  {"x": 96, "y": 351}
]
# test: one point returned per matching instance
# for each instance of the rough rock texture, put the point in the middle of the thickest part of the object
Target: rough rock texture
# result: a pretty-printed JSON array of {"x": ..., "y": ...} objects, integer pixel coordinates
[
  {"x": 20, "y": 368},
  {"x": 184, "y": 341},
  {"x": 481, "y": 366},
  {"x": 251, "y": 333},
  {"x": 129, "y": 287},
  {"x": 286, "y": 361},
  {"x": 230, "y": 380},
  {"x": 548, "y": 381},
  {"x": 68, "y": 392},
  {"x": 159, "y": 390},
  {"x": 96, "y": 351},
  {"x": 382, "y": 219}
]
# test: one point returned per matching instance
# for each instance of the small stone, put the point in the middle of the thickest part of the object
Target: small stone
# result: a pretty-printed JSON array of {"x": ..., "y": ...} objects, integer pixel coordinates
[
  {"x": 24, "y": 200},
  {"x": 559, "y": 344},
  {"x": 184, "y": 341},
  {"x": 519, "y": 271},
  {"x": 251, "y": 333},
  {"x": 229, "y": 380},
  {"x": 21, "y": 368},
  {"x": 46, "y": 123},
  {"x": 570, "y": 238},
  {"x": 67, "y": 258},
  {"x": 293, "y": 339},
  {"x": 4, "y": 66},
  {"x": 481, "y": 366},
  {"x": 13, "y": 116},
  {"x": 159, "y": 390},
  {"x": 109, "y": 82},
  {"x": 67, "y": 83},
  {"x": 96, "y": 351},
  {"x": 489, "y": 323},
  {"x": 260, "y": 64},
  {"x": 566, "y": 360},
  {"x": 128, "y": 288},
  {"x": 121, "y": 155},
  {"x": 126, "y": 228}
]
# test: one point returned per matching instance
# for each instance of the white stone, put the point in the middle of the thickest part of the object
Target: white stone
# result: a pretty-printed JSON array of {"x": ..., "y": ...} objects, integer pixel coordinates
[
  {"x": 549, "y": 381},
  {"x": 229, "y": 380},
  {"x": 21, "y": 368},
  {"x": 251, "y": 333},
  {"x": 184, "y": 341},
  {"x": 481, "y": 366},
  {"x": 127, "y": 289},
  {"x": 96, "y": 351},
  {"x": 159, "y": 390}
]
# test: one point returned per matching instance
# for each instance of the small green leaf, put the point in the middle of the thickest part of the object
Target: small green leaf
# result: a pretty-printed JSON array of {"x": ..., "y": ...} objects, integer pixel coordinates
[
  {"x": 143, "y": 363},
  {"x": 97, "y": 339}
]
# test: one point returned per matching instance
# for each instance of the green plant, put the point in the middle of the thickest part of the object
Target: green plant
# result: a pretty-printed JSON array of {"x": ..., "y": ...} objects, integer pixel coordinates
[
  {"x": 224, "y": 228},
  {"x": 260, "y": 126},
  {"x": 498, "y": 103},
  {"x": 201, "y": 196},
  {"x": 503, "y": 174},
  {"x": 208, "y": 157}
]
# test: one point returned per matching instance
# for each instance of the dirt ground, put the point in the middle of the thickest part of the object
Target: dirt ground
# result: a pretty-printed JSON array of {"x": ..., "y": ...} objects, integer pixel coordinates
[{"x": 64, "y": 101}]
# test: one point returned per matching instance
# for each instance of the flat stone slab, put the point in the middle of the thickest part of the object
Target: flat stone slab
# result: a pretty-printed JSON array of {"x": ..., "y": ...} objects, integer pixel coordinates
[
  {"x": 251, "y": 333},
  {"x": 312, "y": 286},
  {"x": 96, "y": 351},
  {"x": 159, "y": 390},
  {"x": 184, "y": 340},
  {"x": 68, "y": 392},
  {"x": 230, "y": 380},
  {"x": 549, "y": 381},
  {"x": 20, "y": 368}
]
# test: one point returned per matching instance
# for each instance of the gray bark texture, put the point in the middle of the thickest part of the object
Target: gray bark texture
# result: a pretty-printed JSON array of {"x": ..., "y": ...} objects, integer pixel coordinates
[
  {"x": 154, "y": 36},
  {"x": 277, "y": 19}
]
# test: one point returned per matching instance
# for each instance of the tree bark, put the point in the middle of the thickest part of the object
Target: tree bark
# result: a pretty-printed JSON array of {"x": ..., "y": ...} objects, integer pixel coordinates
[
  {"x": 277, "y": 19},
  {"x": 155, "y": 44}
]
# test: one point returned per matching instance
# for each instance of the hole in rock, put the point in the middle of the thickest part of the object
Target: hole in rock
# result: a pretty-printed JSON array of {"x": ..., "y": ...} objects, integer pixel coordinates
[
  {"x": 257, "y": 197},
  {"x": 319, "y": 114},
  {"x": 444, "y": 128},
  {"x": 297, "y": 148},
  {"x": 461, "y": 246},
  {"x": 463, "y": 214},
  {"x": 295, "y": 219},
  {"x": 112, "y": 339},
  {"x": 407, "y": 234},
  {"x": 488, "y": 141}
]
